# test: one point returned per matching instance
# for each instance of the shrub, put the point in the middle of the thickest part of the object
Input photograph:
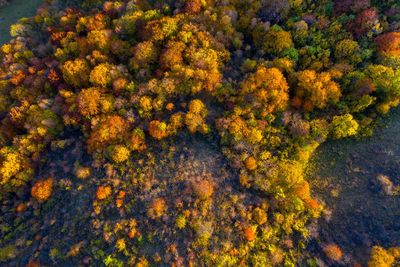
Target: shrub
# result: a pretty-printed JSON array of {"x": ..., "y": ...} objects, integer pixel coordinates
[
  {"x": 103, "y": 192},
  {"x": 333, "y": 252},
  {"x": 42, "y": 189},
  {"x": 343, "y": 126},
  {"x": 120, "y": 153}
]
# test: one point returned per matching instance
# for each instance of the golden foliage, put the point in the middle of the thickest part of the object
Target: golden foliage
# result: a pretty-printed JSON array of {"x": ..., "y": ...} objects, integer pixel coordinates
[
  {"x": 318, "y": 88},
  {"x": 269, "y": 88},
  {"x": 76, "y": 73},
  {"x": 120, "y": 153}
]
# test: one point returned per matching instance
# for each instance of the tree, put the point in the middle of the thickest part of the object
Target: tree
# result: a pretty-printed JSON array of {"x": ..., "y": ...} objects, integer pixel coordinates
[
  {"x": 317, "y": 88},
  {"x": 101, "y": 75},
  {"x": 277, "y": 40},
  {"x": 343, "y": 126},
  {"x": 89, "y": 101},
  {"x": 269, "y": 90},
  {"x": 76, "y": 72}
]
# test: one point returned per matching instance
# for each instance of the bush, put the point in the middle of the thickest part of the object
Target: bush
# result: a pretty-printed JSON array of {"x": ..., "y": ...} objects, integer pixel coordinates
[
  {"x": 343, "y": 126},
  {"x": 42, "y": 189}
]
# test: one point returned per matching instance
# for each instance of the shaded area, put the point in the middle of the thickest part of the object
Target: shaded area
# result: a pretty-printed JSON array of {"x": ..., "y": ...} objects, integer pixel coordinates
[
  {"x": 12, "y": 12},
  {"x": 359, "y": 213}
]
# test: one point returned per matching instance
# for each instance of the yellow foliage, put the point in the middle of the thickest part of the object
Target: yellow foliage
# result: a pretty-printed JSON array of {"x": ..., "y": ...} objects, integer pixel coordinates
[
  {"x": 11, "y": 165},
  {"x": 380, "y": 258},
  {"x": 76, "y": 73},
  {"x": 270, "y": 89},
  {"x": 101, "y": 75},
  {"x": 318, "y": 88},
  {"x": 277, "y": 41},
  {"x": 120, "y": 153}
]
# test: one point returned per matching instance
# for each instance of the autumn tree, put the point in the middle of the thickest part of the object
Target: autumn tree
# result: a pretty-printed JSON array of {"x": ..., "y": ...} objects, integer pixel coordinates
[
  {"x": 316, "y": 89},
  {"x": 268, "y": 89},
  {"x": 344, "y": 126},
  {"x": 277, "y": 40},
  {"x": 76, "y": 72}
]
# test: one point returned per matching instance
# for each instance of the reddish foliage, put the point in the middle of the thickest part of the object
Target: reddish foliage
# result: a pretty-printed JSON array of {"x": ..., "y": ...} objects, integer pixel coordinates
[
  {"x": 333, "y": 252},
  {"x": 389, "y": 44},
  {"x": 192, "y": 6},
  {"x": 364, "y": 22}
]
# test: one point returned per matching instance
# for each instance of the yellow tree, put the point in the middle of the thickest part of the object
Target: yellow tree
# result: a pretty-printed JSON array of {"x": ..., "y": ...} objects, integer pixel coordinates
[
  {"x": 316, "y": 89},
  {"x": 269, "y": 90}
]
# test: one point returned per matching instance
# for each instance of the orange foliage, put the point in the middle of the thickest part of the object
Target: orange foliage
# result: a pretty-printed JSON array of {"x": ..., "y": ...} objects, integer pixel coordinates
[
  {"x": 103, "y": 192},
  {"x": 172, "y": 55},
  {"x": 203, "y": 189},
  {"x": 119, "y": 85},
  {"x": 311, "y": 203},
  {"x": 333, "y": 252},
  {"x": 18, "y": 77},
  {"x": 110, "y": 130},
  {"x": 251, "y": 163},
  {"x": 33, "y": 264},
  {"x": 157, "y": 208},
  {"x": 137, "y": 140},
  {"x": 42, "y": 189},
  {"x": 89, "y": 101},
  {"x": 249, "y": 234},
  {"x": 157, "y": 129},
  {"x": 192, "y": 6},
  {"x": 302, "y": 190},
  {"x": 389, "y": 44}
]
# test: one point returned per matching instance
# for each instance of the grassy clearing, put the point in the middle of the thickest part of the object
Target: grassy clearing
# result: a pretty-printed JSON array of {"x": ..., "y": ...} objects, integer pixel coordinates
[
  {"x": 343, "y": 174},
  {"x": 12, "y": 12}
]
